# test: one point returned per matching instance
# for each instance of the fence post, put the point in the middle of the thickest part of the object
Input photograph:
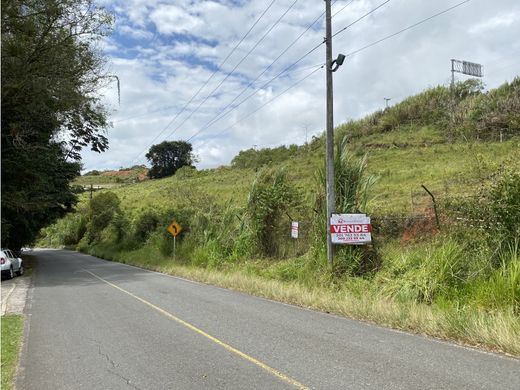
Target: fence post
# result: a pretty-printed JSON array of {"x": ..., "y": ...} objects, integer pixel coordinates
[{"x": 434, "y": 206}]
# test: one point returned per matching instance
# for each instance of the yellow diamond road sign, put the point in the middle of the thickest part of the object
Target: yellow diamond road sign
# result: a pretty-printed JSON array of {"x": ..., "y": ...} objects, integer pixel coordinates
[{"x": 174, "y": 229}]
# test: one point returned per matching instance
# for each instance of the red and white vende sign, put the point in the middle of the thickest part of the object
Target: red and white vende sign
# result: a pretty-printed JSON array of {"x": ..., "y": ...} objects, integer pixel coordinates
[{"x": 353, "y": 229}]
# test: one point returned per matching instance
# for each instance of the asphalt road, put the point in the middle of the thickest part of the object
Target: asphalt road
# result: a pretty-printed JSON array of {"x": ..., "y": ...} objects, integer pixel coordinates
[{"x": 94, "y": 324}]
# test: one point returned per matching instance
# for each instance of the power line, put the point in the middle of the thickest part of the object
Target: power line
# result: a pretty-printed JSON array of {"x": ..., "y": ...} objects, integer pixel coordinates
[
  {"x": 222, "y": 115},
  {"x": 361, "y": 18},
  {"x": 341, "y": 9},
  {"x": 406, "y": 28},
  {"x": 355, "y": 52},
  {"x": 260, "y": 107},
  {"x": 209, "y": 78},
  {"x": 233, "y": 70},
  {"x": 262, "y": 73},
  {"x": 272, "y": 63},
  {"x": 222, "y": 112}
]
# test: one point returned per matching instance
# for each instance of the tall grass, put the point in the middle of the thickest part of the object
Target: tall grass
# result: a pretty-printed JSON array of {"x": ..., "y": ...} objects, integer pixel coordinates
[{"x": 422, "y": 273}]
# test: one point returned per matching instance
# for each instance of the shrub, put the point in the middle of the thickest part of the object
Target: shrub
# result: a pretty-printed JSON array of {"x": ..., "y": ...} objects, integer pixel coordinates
[
  {"x": 504, "y": 198},
  {"x": 102, "y": 209},
  {"x": 352, "y": 183},
  {"x": 497, "y": 111},
  {"x": 67, "y": 231},
  {"x": 493, "y": 214},
  {"x": 256, "y": 159},
  {"x": 120, "y": 225},
  {"x": 75, "y": 229},
  {"x": 145, "y": 224},
  {"x": 270, "y": 200}
]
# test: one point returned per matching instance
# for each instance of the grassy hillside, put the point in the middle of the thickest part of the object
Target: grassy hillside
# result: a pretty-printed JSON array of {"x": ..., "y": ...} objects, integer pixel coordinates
[
  {"x": 109, "y": 178},
  {"x": 445, "y": 168},
  {"x": 459, "y": 279}
]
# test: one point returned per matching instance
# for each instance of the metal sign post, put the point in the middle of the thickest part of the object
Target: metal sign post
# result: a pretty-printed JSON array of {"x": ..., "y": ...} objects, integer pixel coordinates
[
  {"x": 465, "y": 67},
  {"x": 295, "y": 230},
  {"x": 174, "y": 237},
  {"x": 174, "y": 229}
]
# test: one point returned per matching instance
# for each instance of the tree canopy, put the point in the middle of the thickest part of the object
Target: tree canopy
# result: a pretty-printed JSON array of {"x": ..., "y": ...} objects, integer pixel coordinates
[
  {"x": 51, "y": 71},
  {"x": 167, "y": 157}
]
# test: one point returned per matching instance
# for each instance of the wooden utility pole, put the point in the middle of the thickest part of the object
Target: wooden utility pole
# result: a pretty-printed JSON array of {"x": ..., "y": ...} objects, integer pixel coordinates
[{"x": 331, "y": 193}]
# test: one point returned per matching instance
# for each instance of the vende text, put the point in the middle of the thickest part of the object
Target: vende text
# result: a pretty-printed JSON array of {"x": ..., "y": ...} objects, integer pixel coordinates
[{"x": 358, "y": 228}]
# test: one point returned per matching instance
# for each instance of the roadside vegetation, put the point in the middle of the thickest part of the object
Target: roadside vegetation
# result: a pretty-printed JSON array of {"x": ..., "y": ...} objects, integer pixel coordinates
[
  {"x": 12, "y": 328},
  {"x": 452, "y": 271}
]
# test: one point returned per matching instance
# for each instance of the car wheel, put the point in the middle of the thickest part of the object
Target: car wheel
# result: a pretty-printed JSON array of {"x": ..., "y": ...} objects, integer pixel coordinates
[
  {"x": 20, "y": 271},
  {"x": 11, "y": 273}
]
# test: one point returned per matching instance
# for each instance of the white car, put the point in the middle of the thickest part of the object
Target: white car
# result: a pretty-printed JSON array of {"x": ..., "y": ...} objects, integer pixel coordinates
[{"x": 10, "y": 264}]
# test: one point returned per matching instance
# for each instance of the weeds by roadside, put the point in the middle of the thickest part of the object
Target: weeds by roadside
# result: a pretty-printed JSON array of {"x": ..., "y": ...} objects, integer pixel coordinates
[{"x": 12, "y": 328}]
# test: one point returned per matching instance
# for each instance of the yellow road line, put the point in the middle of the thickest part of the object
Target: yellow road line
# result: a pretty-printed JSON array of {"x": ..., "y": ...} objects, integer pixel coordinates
[{"x": 243, "y": 355}]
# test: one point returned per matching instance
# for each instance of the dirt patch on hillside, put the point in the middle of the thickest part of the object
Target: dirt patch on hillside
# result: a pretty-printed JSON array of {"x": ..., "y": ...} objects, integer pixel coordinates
[{"x": 142, "y": 175}]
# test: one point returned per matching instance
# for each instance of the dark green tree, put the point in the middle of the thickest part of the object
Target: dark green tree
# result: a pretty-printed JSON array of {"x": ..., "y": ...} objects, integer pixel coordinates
[
  {"x": 168, "y": 156},
  {"x": 51, "y": 71}
]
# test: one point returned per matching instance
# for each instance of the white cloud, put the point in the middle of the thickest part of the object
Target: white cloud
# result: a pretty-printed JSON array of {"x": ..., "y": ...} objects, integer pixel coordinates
[
  {"x": 172, "y": 19},
  {"x": 134, "y": 32}
]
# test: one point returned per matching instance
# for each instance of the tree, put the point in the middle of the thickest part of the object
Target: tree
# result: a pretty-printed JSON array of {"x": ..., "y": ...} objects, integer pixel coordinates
[
  {"x": 50, "y": 74},
  {"x": 167, "y": 157}
]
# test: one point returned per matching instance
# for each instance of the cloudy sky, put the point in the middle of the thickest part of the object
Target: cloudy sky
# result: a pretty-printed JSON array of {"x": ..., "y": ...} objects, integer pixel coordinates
[{"x": 229, "y": 75}]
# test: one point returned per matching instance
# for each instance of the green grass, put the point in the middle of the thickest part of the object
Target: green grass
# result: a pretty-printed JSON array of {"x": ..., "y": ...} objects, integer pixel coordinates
[
  {"x": 446, "y": 169},
  {"x": 12, "y": 329},
  {"x": 96, "y": 180},
  {"x": 406, "y": 136}
]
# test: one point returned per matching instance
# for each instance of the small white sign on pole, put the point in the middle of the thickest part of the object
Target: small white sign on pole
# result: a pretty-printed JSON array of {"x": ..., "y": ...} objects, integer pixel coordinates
[
  {"x": 350, "y": 229},
  {"x": 295, "y": 227}
]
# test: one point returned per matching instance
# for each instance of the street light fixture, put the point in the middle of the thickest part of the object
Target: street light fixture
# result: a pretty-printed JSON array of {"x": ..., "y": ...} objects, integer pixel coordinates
[{"x": 337, "y": 63}]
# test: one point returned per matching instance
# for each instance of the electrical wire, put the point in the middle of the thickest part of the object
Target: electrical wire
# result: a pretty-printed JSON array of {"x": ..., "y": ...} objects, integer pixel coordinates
[
  {"x": 361, "y": 18},
  {"x": 406, "y": 28},
  {"x": 285, "y": 70},
  {"x": 222, "y": 112},
  {"x": 341, "y": 9},
  {"x": 260, "y": 107},
  {"x": 209, "y": 78},
  {"x": 370, "y": 45},
  {"x": 234, "y": 68},
  {"x": 272, "y": 63}
]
